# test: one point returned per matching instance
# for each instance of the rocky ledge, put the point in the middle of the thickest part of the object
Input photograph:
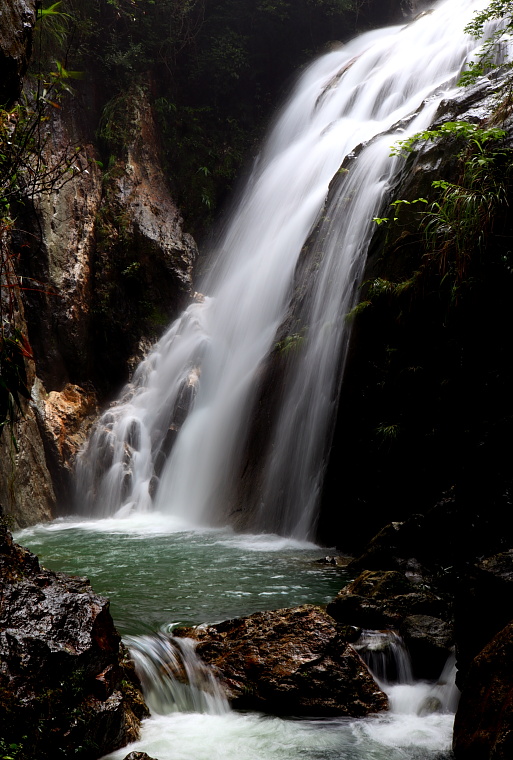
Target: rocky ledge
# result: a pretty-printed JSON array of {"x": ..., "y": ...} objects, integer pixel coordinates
[
  {"x": 67, "y": 687},
  {"x": 291, "y": 662}
]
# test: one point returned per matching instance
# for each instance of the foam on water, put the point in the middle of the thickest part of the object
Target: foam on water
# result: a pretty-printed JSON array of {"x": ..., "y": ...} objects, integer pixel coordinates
[{"x": 258, "y": 737}]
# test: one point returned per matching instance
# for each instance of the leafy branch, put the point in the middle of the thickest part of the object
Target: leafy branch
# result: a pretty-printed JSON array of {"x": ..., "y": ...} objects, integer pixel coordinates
[{"x": 491, "y": 49}]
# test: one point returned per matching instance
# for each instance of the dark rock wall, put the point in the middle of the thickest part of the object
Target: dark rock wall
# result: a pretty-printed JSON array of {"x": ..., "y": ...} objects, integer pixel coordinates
[
  {"x": 484, "y": 722},
  {"x": 17, "y": 21},
  {"x": 425, "y": 410}
]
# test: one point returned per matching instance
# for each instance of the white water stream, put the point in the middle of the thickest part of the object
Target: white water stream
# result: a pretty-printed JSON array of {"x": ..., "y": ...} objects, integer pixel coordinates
[{"x": 174, "y": 441}]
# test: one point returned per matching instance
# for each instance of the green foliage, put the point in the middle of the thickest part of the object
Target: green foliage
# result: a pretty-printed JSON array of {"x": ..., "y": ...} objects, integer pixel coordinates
[
  {"x": 11, "y": 750},
  {"x": 465, "y": 131},
  {"x": 396, "y": 204},
  {"x": 465, "y": 209},
  {"x": 460, "y": 217},
  {"x": 459, "y": 221},
  {"x": 490, "y": 53},
  {"x": 290, "y": 344},
  {"x": 388, "y": 432},
  {"x": 356, "y": 310}
]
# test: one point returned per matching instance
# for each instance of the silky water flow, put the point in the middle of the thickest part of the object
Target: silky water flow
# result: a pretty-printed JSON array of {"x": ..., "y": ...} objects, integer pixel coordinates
[
  {"x": 170, "y": 449},
  {"x": 173, "y": 442}
]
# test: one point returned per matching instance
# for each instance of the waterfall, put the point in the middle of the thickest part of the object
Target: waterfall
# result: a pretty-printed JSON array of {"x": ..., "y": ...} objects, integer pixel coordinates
[
  {"x": 173, "y": 677},
  {"x": 386, "y": 656},
  {"x": 388, "y": 659},
  {"x": 174, "y": 442}
]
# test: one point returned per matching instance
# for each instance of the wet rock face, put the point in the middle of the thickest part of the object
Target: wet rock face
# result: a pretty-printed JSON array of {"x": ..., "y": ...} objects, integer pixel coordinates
[
  {"x": 17, "y": 20},
  {"x": 111, "y": 250},
  {"x": 117, "y": 268},
  {"x": 483, "y": 606},
  {"x": 27, "y": 495},
  {"x": 65, "y": 690},
  {"x": 483, "y": 728},
  {"x": 64, "y": 419},
  {"x": 388, "y": 600},
  {"x": 429, "y": 641},
  {"x": 292, "y": 662}
]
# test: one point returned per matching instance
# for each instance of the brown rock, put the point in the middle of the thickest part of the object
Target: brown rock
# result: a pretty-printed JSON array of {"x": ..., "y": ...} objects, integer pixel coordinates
[
  {"x": 483, "y": 606},
  {"x": 429, "y": 641},
  {"x": 483, "y": 728},
  {"x": 382, "y": 599},
  {"x": 291, "y": 661},
  {"x": 64, "y": 418}
]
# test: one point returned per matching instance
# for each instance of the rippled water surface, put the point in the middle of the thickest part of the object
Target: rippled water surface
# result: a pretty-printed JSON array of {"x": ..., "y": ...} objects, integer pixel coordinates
[{"x": 156, "y": 573}]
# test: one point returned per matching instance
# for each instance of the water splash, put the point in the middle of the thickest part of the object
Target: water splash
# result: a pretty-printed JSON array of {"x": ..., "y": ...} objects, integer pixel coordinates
[{"x": 175, "y": 440}]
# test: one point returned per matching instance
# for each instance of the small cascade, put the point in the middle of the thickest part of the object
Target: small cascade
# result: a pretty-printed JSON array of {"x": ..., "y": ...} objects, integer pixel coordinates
[
  {"x": 444, "y": 695},
  {"x": 386, "y": 656},
  {"x": 173, "y": 677},
  {"x": 388, "y": 659}
]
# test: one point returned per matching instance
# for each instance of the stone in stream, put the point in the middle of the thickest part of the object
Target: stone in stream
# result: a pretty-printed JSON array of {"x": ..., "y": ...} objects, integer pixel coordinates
[
  {"x": 430, "y": 641},
  {"x": 66, "y": 686},
  {"x": 289, "y": 662},
  {"x": 387, "y": 599},
  {"x": 483, "y": 728}
]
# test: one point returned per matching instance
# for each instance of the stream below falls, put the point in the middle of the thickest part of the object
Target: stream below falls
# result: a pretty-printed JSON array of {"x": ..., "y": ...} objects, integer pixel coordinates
[{"x": 158, "y": 574}]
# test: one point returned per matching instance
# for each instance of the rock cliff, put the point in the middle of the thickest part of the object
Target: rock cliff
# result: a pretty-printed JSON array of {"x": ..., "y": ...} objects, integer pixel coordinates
[
  {"x": 105, "y": 265},
  {"x": 17, "y": 21}
]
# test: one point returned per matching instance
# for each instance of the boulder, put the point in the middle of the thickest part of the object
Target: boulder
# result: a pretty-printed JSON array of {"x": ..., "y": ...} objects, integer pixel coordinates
[
  {"x": 292, "y": 662},
  {"x": 483, "y": 606},
  {"x": 483, "y": 728},
  {"x": 67, "y": 687},
  {"x": 392, "y": 547},
  {"x": 429, "y": 641},
  {"x": 382, "y": 599}
]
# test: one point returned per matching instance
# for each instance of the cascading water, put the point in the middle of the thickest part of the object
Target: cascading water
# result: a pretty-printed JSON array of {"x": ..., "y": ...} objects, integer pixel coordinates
[
  {"x": 386, "y": 656},
  {"x": 173, "y": 677},
  {"x": 174, "y": 442},
  {"x": 388, "y": 659}
]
